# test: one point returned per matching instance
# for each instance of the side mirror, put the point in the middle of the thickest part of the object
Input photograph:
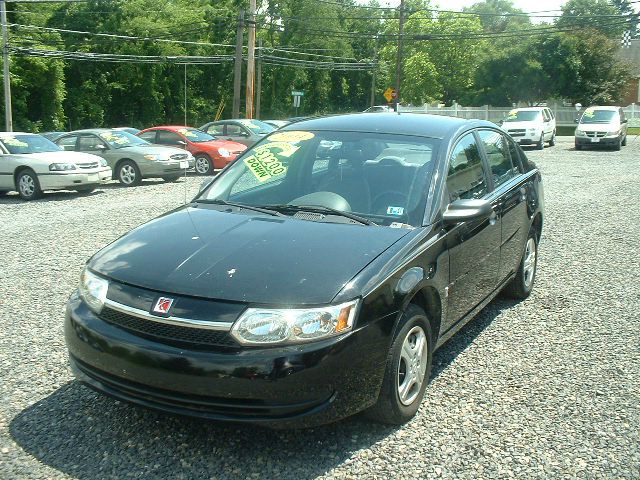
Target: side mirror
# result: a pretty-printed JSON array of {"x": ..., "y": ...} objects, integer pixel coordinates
[
  {"x": 182, "y": 143},
  {"x": 101, "y": 147},
  {"x": 577, "y": 120},
  {"x": 205, "y": 183},
  {"x": 463, "y": 210},
  {"x": 500, "y": 122}
]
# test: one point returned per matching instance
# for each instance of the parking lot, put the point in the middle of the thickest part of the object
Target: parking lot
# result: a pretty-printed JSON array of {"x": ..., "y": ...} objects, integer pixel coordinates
[{"x": 546, "y": 388}]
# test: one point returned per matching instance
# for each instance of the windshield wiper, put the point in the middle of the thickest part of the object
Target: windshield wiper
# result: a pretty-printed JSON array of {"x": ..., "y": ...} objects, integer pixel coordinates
[
  {"x": 320, "y": 209},
  {"x": 266, "y": 211}
]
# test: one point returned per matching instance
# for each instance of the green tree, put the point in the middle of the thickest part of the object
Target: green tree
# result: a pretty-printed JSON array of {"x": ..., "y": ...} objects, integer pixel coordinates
[{"x": 592, "y": 14}]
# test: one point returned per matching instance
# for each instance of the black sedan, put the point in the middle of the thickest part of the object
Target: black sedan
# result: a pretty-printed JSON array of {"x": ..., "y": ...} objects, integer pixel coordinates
[{"x": 299, "y": 288}]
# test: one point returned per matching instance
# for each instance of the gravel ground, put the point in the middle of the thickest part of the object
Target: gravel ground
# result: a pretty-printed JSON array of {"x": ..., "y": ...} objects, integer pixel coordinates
[{"x": 547, "y": 388}]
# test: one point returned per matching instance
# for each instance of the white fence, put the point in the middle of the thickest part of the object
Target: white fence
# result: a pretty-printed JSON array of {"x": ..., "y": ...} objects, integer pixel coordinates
[{"x": 565, "y": 116}]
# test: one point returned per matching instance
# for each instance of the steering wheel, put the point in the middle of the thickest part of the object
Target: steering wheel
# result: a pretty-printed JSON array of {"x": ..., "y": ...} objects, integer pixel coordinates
[{"x": 390, "y": 198}]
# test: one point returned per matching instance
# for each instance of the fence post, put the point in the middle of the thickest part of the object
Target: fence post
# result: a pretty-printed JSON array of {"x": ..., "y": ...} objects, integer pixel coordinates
[{"x": 455, "y": 108}]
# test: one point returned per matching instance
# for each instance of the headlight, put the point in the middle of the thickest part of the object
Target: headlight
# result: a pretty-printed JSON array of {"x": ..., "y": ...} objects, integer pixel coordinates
[
  {"x": 150, "y": 156},
  {"x": 103, "y": 162},
  {"x": 615, "y": 133},
  {"x": 224, "y": 152},
  {"x": 266, "y": 326},
  {"x": 61, "y": 167},
  {"x": 93, "y": 290},
  {"x": 581, "y": 133}
]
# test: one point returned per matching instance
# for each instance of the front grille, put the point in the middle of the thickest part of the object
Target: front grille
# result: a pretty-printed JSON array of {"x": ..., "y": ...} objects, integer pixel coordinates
[
  {"x": 179, "y": 156},
  {"x": 167, "y": 333},
  {"x": 516, "y": 132},
  {"x": 596, "y": 134},
  {"x": 88, "y": 165}
]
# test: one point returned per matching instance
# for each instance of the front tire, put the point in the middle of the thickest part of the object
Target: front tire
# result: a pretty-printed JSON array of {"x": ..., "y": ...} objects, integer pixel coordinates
[
  {"x": 204, "y": 165},
  {"x": 540, "y": 144},
  {"x": 522, "y": 285},
  {"x": 618, "y": 145},
  {"x": 129, "y": 173},
  {"x": 578, "y": 146},
  {"x": 624, "y": 141},
  {"x": 407, "y": 370},
  {"x": 28, "y": 185},
  {"x": 171, "y": 178},
  {"x": 552, "y": 142}
]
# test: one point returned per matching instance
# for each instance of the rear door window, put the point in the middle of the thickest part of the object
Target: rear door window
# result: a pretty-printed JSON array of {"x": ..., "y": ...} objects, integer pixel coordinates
[
  {"x": 91, "y": 143},
  {"x": 166, "y": 137},
  {"x": 466, "y": 177},
  {"x": 68, "y": 143},
  {"x": 496, "y": 147}
]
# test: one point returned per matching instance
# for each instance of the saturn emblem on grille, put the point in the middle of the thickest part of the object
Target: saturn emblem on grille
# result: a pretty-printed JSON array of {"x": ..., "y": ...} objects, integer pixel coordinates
[{"x": 163, "y": 305}]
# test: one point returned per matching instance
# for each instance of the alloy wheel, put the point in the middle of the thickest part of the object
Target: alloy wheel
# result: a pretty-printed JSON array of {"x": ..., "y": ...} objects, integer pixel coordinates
[
  {"x": 127, "y": 174},
  {"x": 412, "y": 365},
  {"x": 529, "y": 265},
  {"x": 202, "y": 165},
  {"x": 27, "y": 185}
]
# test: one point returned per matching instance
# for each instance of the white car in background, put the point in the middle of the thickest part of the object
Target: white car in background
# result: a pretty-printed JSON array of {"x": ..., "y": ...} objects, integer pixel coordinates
[
  {"x": 30, "y": 164},
  {"x": 531, "y": 126},
  {"x": 602, "y": 127}
]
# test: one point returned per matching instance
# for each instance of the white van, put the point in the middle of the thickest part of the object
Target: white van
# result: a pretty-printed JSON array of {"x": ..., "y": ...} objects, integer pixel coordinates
[
  {"x": 602, "y": 126},
  {"x": 531, "y": 126}
]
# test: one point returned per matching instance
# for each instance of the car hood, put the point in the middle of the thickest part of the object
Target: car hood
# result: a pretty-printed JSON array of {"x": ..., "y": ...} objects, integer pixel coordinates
[
  {"x": 599, "y": 127},
  {"x": 519, "y": 125},
  {"x": 150, "y": 150},
  {"x": 255, "y": 259},
  {"x": 60, "y": 157},
  {"x": 234, "y": 147}
]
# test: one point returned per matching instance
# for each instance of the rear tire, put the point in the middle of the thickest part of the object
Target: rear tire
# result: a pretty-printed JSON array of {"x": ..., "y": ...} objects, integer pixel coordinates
[
  {"x": 522, "y": 285},
  {"x": 407, "y": 370},
  {"x": 28, "y": 185},
  {"x": 203, "y": 165},
  {"x": 171, "y": 178},
  {"x": 129, "y": 173}
]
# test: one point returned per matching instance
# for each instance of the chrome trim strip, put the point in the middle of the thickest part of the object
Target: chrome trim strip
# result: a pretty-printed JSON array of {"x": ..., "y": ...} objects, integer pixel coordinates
[{"x": 177, "y": 321}]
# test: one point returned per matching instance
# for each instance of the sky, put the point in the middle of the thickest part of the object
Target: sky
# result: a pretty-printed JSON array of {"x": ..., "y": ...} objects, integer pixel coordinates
[{"x": 524, "y": 5}]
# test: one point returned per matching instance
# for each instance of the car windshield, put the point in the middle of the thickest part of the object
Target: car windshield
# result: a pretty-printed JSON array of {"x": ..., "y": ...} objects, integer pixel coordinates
[
  {"x": 380, "y": 178},
  {"x": 29, "y": 143},
  {"x": 591, "y": 115},
  {"x": 195, "y": 135},
  {"x": 121, "y": 139},
  {"x": 256, "y": 126},
  {"x": 523, "y": 116}
]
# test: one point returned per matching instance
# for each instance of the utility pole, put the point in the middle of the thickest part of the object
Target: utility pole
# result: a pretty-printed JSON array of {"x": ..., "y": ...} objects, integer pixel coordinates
[
  {"x": 237, "y": 68},
  {"x": 373, "y": 75},
  {"x": 399, "y": 56},
  {"x": 8, "y": 117},
  {"x": 251, "y": 60},
  {"x": 259, "y": 79}
]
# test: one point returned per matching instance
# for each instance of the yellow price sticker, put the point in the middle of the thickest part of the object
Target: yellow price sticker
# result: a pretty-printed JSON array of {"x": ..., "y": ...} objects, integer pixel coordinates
[
  {"x": 264, "y": 165},
  {"x": 295, "y": 136}
]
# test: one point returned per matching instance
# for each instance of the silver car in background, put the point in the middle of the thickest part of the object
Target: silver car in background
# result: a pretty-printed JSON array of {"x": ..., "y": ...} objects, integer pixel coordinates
[
  {"x": 30, "y": 164},
  {"x": 130, "y": 157}
]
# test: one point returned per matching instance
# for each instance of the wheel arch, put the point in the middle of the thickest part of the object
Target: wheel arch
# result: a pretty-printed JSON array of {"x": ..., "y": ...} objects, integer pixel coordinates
[
  {"x": 428, "y": 299},
  {"x": 18, "y": 171}
]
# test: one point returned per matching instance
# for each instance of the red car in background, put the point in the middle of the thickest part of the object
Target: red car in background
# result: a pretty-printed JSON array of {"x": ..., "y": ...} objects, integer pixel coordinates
[{"x": 208, "y": 151}]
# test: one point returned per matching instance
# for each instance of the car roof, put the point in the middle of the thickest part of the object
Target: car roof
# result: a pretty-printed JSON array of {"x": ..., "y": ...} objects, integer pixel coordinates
[
  {"x": 169, "y": 127},
  {"x": 604, "y": 107},
  {"x": 418, "y": 124},
  {"x": 529, "y": 109}
]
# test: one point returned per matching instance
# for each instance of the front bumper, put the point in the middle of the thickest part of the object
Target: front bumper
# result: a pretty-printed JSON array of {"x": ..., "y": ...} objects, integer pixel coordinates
[
  {"x": 597, "y": 142},
  {"x": 296, "y": 386},
  {"x": 65, "y": 180},
  {"x": 160, "y": 168},
  {"x": 526, "y": 138}
]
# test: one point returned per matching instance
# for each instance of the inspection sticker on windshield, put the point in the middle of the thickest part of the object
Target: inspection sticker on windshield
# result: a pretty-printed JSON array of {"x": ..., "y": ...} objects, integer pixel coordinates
[
  {"x": 395, "y": 211},
  {"x": 264, "y": 164},
  {"x": 291, "y": 136}
]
